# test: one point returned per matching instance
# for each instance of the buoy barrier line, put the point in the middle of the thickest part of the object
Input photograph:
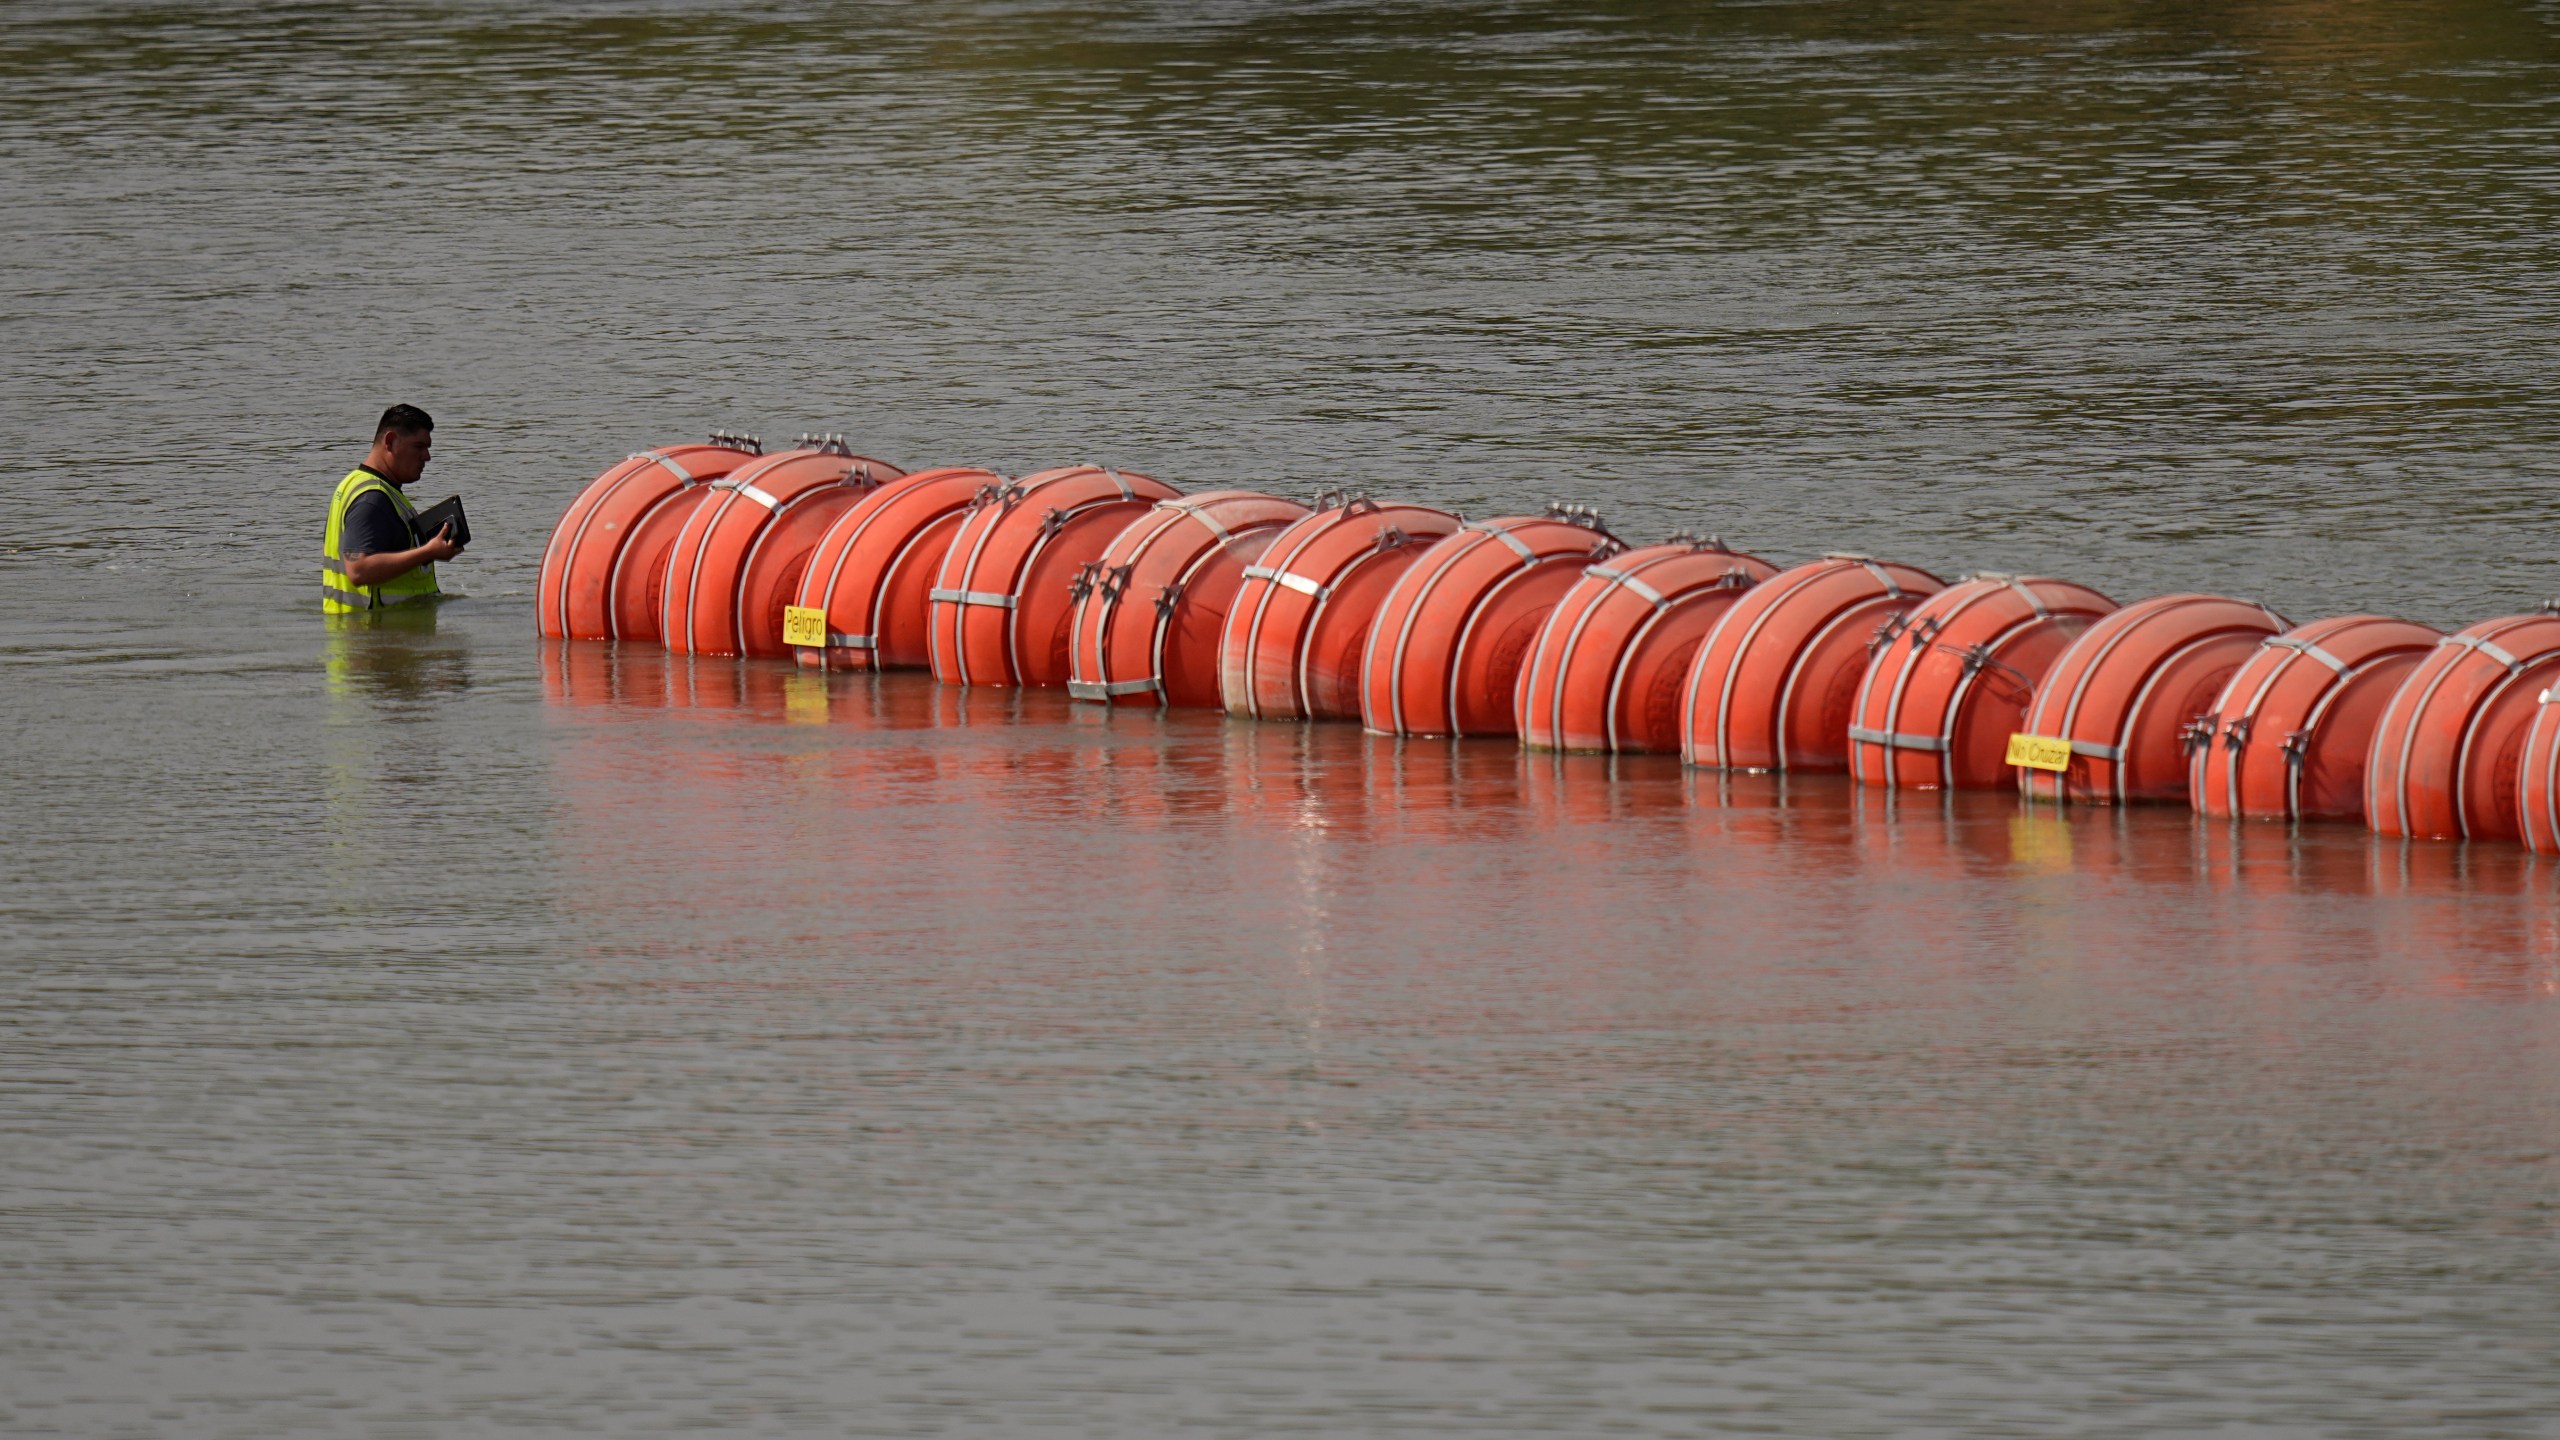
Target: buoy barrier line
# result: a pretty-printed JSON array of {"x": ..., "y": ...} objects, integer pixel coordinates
[
  {"x": 2447, "y": 758},
  {"x": 617, "y": 523},
  {"x": 2316, "y": 709},
  {"x": 1775, "y": 684},
  {"x": 873, "y": 571},
  {"x": 1608, "y": 668},
  {"x": 1963, "y": 663},
  {"x": 1462, "y": 617},
  {"x": 1187, "y": 558},
  {"x": 1297, "y": 634},
  {"x": 732, "y": 570},
  {"x": 2135, "y": 683},
  {"x": 1025, "y": 540}
]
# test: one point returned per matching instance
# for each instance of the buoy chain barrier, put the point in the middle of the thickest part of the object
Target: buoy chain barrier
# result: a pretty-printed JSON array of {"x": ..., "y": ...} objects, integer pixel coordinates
[{"x": 738, "y": 440}]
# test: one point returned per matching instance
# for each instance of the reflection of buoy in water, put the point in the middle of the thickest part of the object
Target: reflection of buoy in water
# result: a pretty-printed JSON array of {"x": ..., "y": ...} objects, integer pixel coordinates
[
  {"x": 2126, "y": 692},
  {"x": 737, "y": 561},
  {"x": 1952, "y": 680},
  {"x": 607, "y": 556},
  {"x": 1775, "y": 683},
  {"x": 1150, "y": 611},
  {"x": 2448, "y": 754},
  {"x": 1610, "y": 665},
  {"x": 1444, "y": 654},
  {"x": 2289, "y": 735},
  {"x": 873, "y": 570},
  {"x": 1002, "y": 604},
  {"x": 1299, "y": 627}
]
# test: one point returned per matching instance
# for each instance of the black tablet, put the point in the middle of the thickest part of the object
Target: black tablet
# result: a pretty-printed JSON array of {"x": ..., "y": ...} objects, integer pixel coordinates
[{"x": 435, "y": 517}]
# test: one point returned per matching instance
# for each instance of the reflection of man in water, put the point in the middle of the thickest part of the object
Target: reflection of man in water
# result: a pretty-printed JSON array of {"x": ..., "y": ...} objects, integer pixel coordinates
[{"x": 370, "y": 557}]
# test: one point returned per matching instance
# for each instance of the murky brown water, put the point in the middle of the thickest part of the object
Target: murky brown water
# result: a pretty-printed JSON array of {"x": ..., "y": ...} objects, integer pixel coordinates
[{"x": 428, "y": 1033}]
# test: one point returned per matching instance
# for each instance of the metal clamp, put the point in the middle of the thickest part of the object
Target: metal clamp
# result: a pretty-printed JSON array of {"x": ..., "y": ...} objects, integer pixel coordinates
[
  {"x": 738, "y": 440},
  {"x": 1578, "y": 515},
  {"x": 822, "y": 443}
]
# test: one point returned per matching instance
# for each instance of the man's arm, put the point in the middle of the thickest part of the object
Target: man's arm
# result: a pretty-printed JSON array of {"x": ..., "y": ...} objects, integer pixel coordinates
[{"x": 390, "y": 565}]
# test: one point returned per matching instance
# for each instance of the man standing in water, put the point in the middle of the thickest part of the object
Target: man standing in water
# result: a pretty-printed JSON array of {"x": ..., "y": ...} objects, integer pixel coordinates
[{"x": 370, "y": 557}]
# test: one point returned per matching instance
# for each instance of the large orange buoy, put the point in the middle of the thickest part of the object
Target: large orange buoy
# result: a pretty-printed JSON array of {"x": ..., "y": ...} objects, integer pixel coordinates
[
  {"x": 1611, "y": 665},
  {"x": 1300, "y": 622},
  {"x": 607, "y": 556},
  {"x": 873, "y": 570},
  {"x": 2538, "y": 776},
  {"x": 2448, "y": 757},
  {"x": 739, "y": 558},
  {"x": 2290, "y": 733},
  {"x": 2115, "y": 712},
  {"x": 1003, "y": 604},
  {"x": 1952, "y": 680},
  {"x": 1776, "y": 682},
  {"x": 1444, "y": 654},
  {"x": 1150, "y": 612}
]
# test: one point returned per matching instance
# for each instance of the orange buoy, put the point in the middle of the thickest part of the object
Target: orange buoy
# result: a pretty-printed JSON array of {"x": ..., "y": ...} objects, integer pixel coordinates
[
  {"x": 1610, "y": 666},
  {"x": 2538, "y": 777},
  {"x": 1002, "y": 604},
  {"x": 1776, "y": 682},
  {"x": 2116, "y": 709},
  {"x": 1952, "y": 680},
  {"x": 737, "y": 562},
  {"x": 1300, "y": 622},
  {"x": 607, "y": 556},
  {"x": 1150, "y": 612},
  {"x": 2448, "y": 758},
  {"x": 1444, "y": 654},
  {"x": 2290, "y": 733},
  {"x": 873, "y": 570}
]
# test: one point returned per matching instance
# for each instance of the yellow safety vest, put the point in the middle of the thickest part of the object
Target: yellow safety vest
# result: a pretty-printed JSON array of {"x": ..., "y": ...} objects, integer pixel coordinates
[{"x": 337, "y": 597}]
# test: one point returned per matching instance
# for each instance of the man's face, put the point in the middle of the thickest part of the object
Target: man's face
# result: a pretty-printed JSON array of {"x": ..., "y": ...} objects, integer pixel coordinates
[{"x": 408, "y": 456}]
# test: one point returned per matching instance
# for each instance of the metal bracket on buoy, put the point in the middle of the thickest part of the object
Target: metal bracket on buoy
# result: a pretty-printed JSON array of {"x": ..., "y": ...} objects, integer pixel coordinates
[
  {"x": 1579, "y": 515},
  {"x": 1391, "y": 538},
  {"x": 1890, "y": 631},
  {"x": 1052, "y": 521},
  {"x": 1329, "y": 500},
  {"x": 1082, "y": 584},
  {"x": 823, "y": 444},
  {"x": 1361, "y": 504},
  {"x": 1697, "y": 543},
  {"x": 738, "y": 440},
  {"x": 1168, "y": 600},
  {"x": 2235, "y": 736},
  {"x": 1115, "y": 579},
  {"x": 2196, "y": 734}
]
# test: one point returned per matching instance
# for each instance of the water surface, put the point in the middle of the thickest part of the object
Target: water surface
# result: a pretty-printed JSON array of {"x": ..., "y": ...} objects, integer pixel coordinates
[{"x": 426, "y": 1032}]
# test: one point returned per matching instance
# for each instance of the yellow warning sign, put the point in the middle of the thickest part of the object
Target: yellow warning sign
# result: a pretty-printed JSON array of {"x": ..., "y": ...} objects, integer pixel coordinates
[
  {"x": 804, "y": 625},
  {"x": 2039, "y": 752}
]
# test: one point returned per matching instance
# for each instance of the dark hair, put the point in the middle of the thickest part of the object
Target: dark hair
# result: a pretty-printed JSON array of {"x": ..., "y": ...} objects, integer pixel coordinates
[{"x": 407, "y": 419}]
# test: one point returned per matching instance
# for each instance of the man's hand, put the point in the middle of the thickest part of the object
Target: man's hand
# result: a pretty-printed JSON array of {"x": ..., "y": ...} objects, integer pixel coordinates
[
  {"x": 382, "y": 569},
  {"x": 441, "y": 547}
]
